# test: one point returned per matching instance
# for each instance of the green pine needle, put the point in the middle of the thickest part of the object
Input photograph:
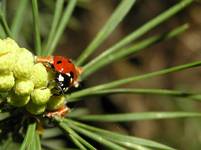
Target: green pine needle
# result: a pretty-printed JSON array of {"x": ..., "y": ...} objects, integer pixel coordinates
[
  {"x": 18, "y": 19},
  {"x": 142, "y": 30},
  {"x": 4, "y": 115},
  {"x": 56, "y": 18},
  {"x": 77, "y": 142},
  {"x": 5, "y": 24},
  {"x": 125, "y": 52},
  {"x": 6, "y": 144},
  {"x": 73, "y": 97},
  {"x": 52, "y": 132},
  {"x": 131, "y": 146},
  {"x": 3, "y": 4},
  {"x": 96, "y": 137},
  {"x": 61, "y": 26},
  {"x": 36, "y": 27},
  {"x": 78, "y": 112},
  {"x": 56, "y": 144},
  {"x": 28, "y": 140},
  {"x": 3, "y": 10},
  {"x": 75, "y": 136},
  {"x": 126, "y": 117},
  {"x": 90, "y": 147},
  {"x": 37, "y": 141},
  {"x": 116, "y": 137},
  {"x": 160, "y": 92},
  {"x": 2, "y": 33},
  {"x": 110, "y": 25}
]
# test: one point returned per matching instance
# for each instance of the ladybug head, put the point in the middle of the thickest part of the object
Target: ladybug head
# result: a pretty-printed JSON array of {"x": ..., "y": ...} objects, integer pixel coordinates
[{"x": 63, "y": 83}]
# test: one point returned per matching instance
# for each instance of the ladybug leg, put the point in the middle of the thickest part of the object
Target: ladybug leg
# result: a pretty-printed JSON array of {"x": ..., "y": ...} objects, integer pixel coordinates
[
  {"x": 76, "y": 84},
  {"x": 61, "y": 112},
  {"x": 48, "y": 67},
  {"x": 44, "y": 59},
  {"x": 79, "y": 70},
  {"x": 47, "y": 61}
]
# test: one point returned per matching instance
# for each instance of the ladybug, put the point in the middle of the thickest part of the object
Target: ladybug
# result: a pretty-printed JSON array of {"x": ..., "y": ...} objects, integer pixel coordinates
[{"x": 66, "y": 73}]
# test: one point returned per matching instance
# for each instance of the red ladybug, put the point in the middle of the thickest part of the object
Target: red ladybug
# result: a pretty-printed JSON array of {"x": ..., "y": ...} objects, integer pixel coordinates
[{"x": 66, "y": 73}]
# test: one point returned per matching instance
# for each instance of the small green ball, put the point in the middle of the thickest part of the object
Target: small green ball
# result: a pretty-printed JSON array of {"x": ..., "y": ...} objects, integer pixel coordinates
[
  {"x": 3, "y": 49},
  {"x": 55, "y": 102},
  {"x": 40, "y": 96},
  {"x": 7, "y": 81},
  {"x": 7, "y": 62},
  {"x": 11, "y": 45},
  {"x": 17, "y": 100},
  {"x": 8, "y": 54},
  {"x": 23, "y": 87},
  {"x": 51, "y": 78},
  {"x": 24, "y": 64},
  {"x": 35, "y": 109},
  {"x": 8, "y": 45},
  {"x": 39, "y": 76},
  {"x": 51, "y": 75}
]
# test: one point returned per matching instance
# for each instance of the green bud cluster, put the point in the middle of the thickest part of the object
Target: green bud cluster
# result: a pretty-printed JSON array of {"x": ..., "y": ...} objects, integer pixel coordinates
[{"x": 25, "y": 81}]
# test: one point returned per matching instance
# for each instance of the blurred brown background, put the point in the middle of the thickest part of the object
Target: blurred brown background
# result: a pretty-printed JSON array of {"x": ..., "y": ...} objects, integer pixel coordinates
[{"x": 89, "y": 17}]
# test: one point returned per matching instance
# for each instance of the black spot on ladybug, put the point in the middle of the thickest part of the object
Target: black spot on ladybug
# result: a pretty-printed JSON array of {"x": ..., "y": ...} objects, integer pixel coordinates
[
  {"x": 72, "y": 74},
  {"x": 59, "y": 62},
  {"x": 69, "y": 61}
]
